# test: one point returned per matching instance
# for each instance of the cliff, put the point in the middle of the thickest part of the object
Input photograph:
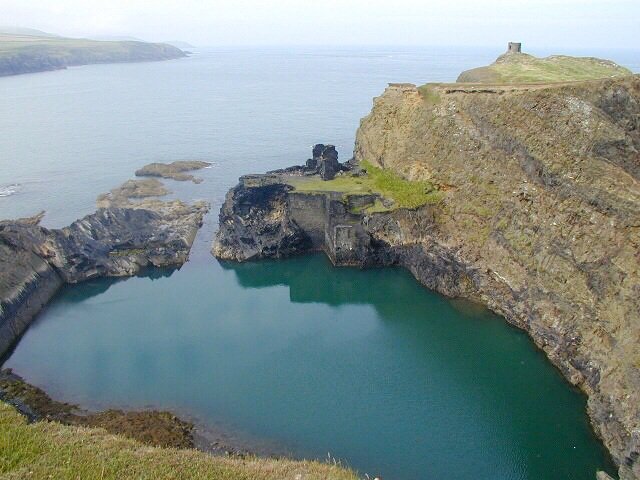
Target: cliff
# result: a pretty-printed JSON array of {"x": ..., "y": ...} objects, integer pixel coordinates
[
  {"x": 541, "y": 214},
  {"x": 29, "y": 53},
  {"x": 114, "y": 241},
  {"x": 537, "y": 216}
]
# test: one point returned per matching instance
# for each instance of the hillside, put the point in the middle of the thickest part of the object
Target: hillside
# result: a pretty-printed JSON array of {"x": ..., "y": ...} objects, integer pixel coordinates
[
  {"x": 45, "y": 450},
  {"x": 28, "y": 53},
  {"x": 518, "y": 68}
]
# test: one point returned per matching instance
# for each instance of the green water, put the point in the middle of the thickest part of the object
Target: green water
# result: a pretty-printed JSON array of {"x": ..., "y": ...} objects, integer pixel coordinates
[
  {"x": 299, "y": 357},
  {"x": 293, "y": 356}
]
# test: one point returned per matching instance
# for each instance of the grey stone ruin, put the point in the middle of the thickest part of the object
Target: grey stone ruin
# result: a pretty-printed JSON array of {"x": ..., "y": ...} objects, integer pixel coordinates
[
  {"x": 514, "y": 47},
  {"x": 324, "y": 161}
]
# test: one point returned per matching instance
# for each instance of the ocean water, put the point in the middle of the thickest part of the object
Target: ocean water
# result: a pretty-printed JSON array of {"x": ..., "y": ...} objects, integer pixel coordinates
[{"x": 292, "y": 357}]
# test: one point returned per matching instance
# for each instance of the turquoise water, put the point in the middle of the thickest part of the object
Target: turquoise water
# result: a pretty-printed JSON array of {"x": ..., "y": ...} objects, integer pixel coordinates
[{"x": 291, "y": 357}]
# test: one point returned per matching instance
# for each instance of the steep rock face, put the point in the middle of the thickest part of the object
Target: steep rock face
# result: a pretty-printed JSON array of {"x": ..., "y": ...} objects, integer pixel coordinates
[
  {"x": 257, "y": 224},
  {"x": 110, "y": 242},
  {"x": 540, "y": 221}
]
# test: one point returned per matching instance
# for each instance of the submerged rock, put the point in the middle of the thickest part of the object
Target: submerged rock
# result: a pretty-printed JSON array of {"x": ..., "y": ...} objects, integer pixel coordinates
[
  {"x": 132, "y": 189},
  {"x": 173, "y": 170}
]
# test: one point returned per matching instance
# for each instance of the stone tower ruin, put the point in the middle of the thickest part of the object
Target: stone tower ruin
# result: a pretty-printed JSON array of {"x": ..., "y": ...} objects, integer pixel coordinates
[{"x": 514, "y": 47}]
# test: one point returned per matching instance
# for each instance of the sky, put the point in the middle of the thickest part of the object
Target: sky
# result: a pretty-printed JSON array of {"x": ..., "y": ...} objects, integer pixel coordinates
[{"x": 584, "y": 24}]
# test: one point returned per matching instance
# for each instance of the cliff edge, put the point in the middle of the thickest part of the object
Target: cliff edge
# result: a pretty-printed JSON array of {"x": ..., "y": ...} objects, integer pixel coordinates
[
  {"x": 541, "y": 211},
  {"x": 528, "y": 200}
]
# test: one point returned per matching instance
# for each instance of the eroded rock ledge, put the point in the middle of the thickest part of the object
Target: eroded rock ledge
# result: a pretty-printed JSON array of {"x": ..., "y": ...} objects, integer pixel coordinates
[
  {"x": 116, "y": 241},
  {"x": 539, "y": 221}
]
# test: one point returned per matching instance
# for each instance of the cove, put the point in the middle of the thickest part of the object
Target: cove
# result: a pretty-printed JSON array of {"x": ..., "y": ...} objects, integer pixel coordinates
[{"x": 366, "y": 365}]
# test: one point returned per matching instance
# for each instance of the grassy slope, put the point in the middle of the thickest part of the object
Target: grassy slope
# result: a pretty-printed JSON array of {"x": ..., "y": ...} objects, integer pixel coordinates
[
  {"x": 25, "y": 53},
  {"x": 46, "y": 450},
  {"x": 404, "y": 193},
  {"x": 523, "y": 68}
]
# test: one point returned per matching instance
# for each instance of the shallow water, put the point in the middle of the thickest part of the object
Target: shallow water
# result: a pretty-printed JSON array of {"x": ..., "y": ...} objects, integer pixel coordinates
[{"x": 291, "y": 356}]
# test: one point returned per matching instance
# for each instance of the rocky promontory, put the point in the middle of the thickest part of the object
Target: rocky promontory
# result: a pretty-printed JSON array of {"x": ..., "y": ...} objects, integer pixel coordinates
[
  {"x": 117, "y": 240},
  {"x": 22, "y": 53},
  {"x": 523, "y": 197}
]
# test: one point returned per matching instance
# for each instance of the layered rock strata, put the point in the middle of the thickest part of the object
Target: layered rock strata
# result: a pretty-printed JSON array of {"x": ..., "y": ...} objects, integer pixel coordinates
[
  {"x": 539, "y": 220},
  {"x": 114, "y": 241}
]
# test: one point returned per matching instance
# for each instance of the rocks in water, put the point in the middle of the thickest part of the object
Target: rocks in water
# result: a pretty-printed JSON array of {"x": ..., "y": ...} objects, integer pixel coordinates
[
  {"x": 112, "y": 241},
  {"x": 173, "y": 170},
  {"x": 132, "y": 189}
]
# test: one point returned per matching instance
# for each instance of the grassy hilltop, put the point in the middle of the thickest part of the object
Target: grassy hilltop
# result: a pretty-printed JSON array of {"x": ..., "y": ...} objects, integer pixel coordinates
[
  {"x": 21, "y": 53},
  {"x": 514, "y": 68}
]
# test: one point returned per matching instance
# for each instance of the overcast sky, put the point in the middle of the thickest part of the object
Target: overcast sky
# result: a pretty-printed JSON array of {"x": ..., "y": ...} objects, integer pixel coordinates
[{"x": 539, "y": 23}]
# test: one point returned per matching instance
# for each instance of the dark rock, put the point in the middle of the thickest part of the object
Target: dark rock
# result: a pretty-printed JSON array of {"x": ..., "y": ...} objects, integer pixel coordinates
[{"x": 110, "y": 242}]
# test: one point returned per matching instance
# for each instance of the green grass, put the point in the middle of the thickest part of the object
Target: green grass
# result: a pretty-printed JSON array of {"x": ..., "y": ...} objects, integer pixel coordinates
[
  {"x": 403, "y": 193},
  {"x": 527, "y": 69},
  {"x": 430, "y": 94},
  {"x": 49, "y": 450}
]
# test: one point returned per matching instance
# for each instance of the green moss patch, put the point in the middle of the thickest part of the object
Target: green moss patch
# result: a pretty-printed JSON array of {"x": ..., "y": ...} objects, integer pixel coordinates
[{"x": 404, "y": 193}]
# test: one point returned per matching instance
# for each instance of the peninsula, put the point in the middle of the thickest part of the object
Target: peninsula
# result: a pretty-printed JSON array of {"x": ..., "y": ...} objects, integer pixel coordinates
[
  {"x": 517, "y": 186},
  {"x": 29, "y": 53}
]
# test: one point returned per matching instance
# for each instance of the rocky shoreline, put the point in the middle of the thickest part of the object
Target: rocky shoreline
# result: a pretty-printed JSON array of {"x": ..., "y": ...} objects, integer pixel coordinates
[
  {"x": 120, "y": 239},
  {"x": 527, "y": 224},
  {"x": 150, "y": 427}
]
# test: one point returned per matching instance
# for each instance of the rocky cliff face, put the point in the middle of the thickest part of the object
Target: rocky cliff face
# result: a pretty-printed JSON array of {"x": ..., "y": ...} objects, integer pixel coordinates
[
  {"x": 539, "y": 220},
  {"x": 110, "y": 242}
]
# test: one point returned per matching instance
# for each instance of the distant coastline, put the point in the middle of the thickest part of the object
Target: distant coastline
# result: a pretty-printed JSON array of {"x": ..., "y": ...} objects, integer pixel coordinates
[{"x": 21, "y": 53}]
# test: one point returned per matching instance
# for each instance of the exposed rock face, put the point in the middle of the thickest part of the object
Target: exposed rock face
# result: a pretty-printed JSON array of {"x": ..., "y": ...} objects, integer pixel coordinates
[
  {"x": 257, "y": 222},
  {"x": 324, "y": 162},
  {"x": 540, "y": 222},
  {"x": 110, "y": 242}
]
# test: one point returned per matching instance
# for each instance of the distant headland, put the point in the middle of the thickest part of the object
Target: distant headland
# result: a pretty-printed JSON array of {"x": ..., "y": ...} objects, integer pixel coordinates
[{"x": 30, "y": 51}]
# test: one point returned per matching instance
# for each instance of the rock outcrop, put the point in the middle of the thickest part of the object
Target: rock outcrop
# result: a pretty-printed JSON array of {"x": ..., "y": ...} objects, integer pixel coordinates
[
  {"x": 173, "y": 170},
  {"x": 539, "y": 220},
  {"x": 112, "y": 241}
]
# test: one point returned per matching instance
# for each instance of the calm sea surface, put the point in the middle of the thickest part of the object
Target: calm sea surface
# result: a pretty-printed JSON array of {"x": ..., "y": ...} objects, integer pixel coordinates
[{"x": 294, "y": 356}]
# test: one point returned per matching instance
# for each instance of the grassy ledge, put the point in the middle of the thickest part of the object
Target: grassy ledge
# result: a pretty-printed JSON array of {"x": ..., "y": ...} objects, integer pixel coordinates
[
  {"x": 46, "y": 450},
  {"x": 403, "y": 193}
]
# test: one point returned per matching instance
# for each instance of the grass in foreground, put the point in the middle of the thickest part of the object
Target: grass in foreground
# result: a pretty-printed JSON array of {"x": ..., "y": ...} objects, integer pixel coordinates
[
  {"x": 404, "y": 193},
  {"x": 47, "y": 450}
]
